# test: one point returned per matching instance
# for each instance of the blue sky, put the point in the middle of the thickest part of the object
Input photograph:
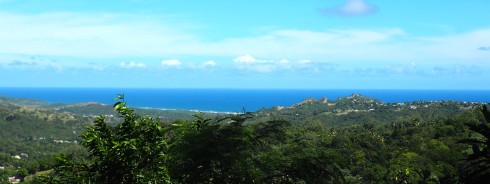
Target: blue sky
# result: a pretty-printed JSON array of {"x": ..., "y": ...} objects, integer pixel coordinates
[{"x": 305, "y": 44}]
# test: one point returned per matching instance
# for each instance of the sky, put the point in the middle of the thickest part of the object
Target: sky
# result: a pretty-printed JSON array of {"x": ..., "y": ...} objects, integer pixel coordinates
[{"x": 273, "y": 44}]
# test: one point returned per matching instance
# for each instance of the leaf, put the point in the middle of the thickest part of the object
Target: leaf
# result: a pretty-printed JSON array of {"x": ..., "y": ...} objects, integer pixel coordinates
[
  {"x": 120, "y": 106},
  {"x": 116, "y": 104}
]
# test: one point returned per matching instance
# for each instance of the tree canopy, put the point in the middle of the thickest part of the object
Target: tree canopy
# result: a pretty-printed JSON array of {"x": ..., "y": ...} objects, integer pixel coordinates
[{"x": 246, "y": 148}]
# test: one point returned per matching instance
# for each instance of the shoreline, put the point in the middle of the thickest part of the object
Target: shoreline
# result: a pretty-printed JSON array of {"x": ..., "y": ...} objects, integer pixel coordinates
[{"x": 188, "y": 110}]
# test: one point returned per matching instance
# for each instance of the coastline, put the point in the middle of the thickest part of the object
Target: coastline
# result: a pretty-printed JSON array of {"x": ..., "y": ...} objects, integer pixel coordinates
[
  {"x": 231, "y": 100},
  {"x": 187, "y": 110}
]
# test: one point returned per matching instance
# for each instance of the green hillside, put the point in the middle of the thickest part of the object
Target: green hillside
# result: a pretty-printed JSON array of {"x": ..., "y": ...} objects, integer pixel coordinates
[
  {"x": 352, "y": 139},
  {"x": 357, "y": 110}
]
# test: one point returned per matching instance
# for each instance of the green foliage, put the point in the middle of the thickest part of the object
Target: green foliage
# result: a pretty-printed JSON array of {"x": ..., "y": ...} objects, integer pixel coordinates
[
  {"x": 134, "y": 151},
  {"x": 356, "y": 109},
  {"x": 477, "y": 166},
  {"x": 310, "y": 142},
  {"x": 212, "y": 152},
  {"x": 36, "y": 132}
]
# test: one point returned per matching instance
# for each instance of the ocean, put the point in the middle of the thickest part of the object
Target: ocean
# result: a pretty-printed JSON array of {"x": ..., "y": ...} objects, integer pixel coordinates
[{"x": 231, "y": 100}]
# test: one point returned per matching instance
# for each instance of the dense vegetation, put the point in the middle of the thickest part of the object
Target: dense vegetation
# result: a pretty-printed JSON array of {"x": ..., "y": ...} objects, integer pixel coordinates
[
  {"x": 30, "y": 137},
  {"x": 350, "y": 140}
]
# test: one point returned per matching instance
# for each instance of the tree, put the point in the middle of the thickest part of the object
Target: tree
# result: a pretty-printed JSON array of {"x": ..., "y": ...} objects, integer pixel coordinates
[
  {"x": 206, "y": 151},
  {"x": 21, "y": 173},
  {"x": 477, "y": 166},
  {"x": 134, "y": 151}
]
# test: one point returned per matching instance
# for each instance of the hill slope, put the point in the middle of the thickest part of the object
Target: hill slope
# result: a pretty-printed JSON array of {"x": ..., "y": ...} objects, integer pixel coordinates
[{"x": 358, "y": 109}]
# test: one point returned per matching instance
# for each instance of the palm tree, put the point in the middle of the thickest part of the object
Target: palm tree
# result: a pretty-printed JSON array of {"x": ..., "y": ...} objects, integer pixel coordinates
[{"x": 477, "y": 164}]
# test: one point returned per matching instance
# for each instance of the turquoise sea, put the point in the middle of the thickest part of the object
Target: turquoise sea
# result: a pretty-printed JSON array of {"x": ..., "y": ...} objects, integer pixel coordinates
[{"x": 231, "y": 100}]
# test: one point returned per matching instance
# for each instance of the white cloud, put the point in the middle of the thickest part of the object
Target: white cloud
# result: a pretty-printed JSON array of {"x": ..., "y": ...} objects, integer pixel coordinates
[
  {"x": 105, "y": 36},
  {"x": 92, "y": 35},
  {"x": 171, "y": 63},
  {"x": 249, "y": 63},
  {"x": 318, "y": 45},
  {"x": 304, "y": 61},
  {"x": 459, "y": 47},
  {"x": 209, "y": 63},
  {"x": 284, "y": 62},
  {"x": 385, "y": 45},
  {"x": 246, "y": 59},
  {"x": 132, "y": 64},
  {"x": 352, "y": 8}
]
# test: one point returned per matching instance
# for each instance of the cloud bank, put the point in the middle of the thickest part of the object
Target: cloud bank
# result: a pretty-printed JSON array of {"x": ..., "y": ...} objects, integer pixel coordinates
[
  {"x": 132, "y": 64},
  {"x": 251, "y": 64},
  {"x": 120, "y": 36},
  {"x": 107, "y": 39},
  {"x": 171, "y": 63},
  {"x": 209, "y": 64}
]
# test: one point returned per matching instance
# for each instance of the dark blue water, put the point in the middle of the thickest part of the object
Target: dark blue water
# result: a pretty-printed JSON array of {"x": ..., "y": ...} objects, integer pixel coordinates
[{"x": 230, "y": 100}]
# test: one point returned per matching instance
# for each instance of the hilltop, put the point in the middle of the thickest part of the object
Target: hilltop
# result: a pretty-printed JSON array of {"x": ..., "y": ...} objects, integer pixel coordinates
[{"x": 358, "y": 109}]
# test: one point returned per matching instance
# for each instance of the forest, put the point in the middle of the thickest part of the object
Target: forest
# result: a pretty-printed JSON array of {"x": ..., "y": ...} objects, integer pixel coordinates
[{"x": 354, "y": 139}]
